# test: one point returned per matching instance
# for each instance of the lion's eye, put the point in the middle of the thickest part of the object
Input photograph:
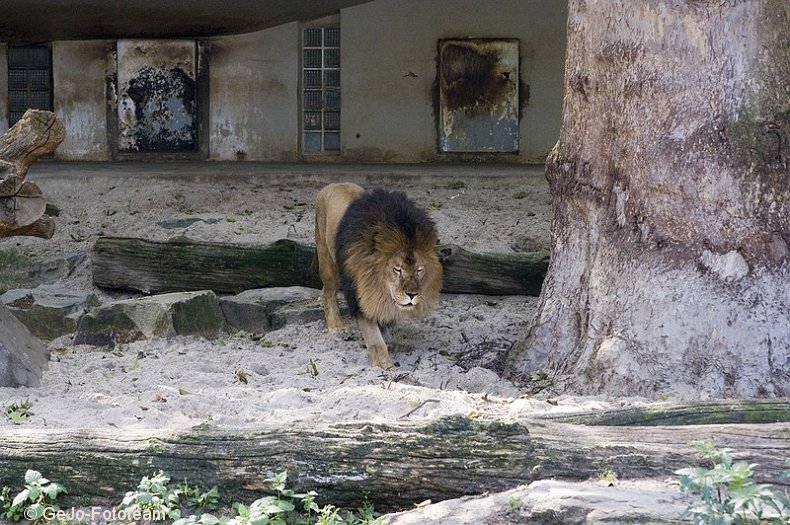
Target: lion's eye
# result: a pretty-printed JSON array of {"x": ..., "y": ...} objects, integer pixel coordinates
[
  {"x": 420, "y": 270},
  {"x": 398, "y": 270}
]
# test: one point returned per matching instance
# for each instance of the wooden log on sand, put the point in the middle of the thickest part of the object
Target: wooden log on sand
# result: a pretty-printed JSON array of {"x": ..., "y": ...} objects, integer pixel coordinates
[
  {"x": 183, "y": 265},
  {"x": 394, "y": 465},
  {"x": 22, "y": 206}
]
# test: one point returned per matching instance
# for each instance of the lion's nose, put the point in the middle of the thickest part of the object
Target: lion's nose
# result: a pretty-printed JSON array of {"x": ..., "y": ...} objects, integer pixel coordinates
[{"x": 411, "y": 295}]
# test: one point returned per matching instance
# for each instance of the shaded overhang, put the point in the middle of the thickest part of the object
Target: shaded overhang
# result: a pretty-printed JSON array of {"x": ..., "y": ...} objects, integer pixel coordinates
[{"x": 33, "y": 21}]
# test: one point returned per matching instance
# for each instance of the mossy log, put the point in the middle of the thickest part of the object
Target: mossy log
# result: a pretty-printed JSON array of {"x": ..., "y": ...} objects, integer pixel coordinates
[
  {"x": 22, "y": 206},
  {"x": 394, "y": 465},
  {"x": 715, "y": 412},
  {"x": 182, "y": 265}
]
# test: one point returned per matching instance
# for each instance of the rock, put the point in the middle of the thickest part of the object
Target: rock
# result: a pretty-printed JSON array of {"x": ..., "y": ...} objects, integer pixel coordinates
[
  {"x": 265, "y": 309},
  {"x": 48, "y": 311},
  {"x": 173, "y": 224},
  {"x": 551, "y": 502},
  {"x": 166, "y": 315},
  {"x": 20, "y": 271},
  {"x": 22, "y": 357}
]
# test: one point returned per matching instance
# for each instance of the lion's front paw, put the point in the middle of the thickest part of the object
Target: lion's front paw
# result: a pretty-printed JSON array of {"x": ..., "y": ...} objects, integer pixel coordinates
[
  {"x": 336, "y": 327},
  {"x": 381, "y": 358}
]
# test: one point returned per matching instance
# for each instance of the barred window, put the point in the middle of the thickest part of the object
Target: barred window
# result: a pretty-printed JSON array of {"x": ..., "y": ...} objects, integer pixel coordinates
[
  {"x": 321, "y": 89},
  {"x": 29, "y": 80}
]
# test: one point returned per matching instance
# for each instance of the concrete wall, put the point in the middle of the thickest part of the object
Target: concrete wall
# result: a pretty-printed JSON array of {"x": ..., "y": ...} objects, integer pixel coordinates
[
  {"x": 80, "y": 70},
  {"x": 389, "y": 59},
  {"x": 254, "y": 90},
  {"x": 389, "y": 52},
  {"x": 3, "y": 88}
]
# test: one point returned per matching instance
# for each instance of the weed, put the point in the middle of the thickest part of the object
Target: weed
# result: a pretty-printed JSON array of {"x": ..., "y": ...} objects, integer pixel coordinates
[
  {"x": 608, "y": 475},
  {"x": 36, "y": 500},
  {"x": 726, "y": 493},
  {"x": 153, "y": 497},
  {"x": 19, "y": 413}
]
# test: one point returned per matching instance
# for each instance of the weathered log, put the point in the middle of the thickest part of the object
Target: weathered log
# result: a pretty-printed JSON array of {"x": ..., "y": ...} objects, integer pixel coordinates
[
  {"x": 44, "y": 228},
  {"x": 395, "y": 465},
  {"x": 37, "y": 133},
  {"x": 492, "y": 274},
  {"x": 22, "y": 206},
  {"x": 21, "y": 202},
  {"x": 182, "y": 264},
  {"x": 715, "y": 412}
]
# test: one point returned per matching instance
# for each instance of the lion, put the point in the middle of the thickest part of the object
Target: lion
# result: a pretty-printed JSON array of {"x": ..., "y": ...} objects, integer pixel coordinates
[{"x": 379, "y": 248}]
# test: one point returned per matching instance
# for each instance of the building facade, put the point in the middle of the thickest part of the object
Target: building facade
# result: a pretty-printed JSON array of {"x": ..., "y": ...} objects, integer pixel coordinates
[{"x": 381, "y": 81}]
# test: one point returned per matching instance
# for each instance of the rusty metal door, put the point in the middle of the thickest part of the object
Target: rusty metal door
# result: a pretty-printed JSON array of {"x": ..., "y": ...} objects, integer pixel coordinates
[
  {"x": 156, "y": 96},
  {"x": 478, "y": 95}
]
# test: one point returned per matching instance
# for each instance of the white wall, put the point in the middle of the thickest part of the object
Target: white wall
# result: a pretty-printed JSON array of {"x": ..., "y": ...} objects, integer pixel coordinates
[
  {"x": 80, "y": 70},
  {"x": 389, "y": 58},
  {"x": 254, "y": 95}
]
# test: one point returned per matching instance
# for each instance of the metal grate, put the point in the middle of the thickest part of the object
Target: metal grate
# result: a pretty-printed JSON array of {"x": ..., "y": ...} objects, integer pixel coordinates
[
  {"x": 29, "y": 80},
  {"x": 321, "y": 89}
]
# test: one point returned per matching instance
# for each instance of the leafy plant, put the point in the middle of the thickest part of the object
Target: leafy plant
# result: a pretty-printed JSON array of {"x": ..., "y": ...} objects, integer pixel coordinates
[
  {"x": 727, "y": 492},
  {"x": 281, "y": 507},
  {"x": 194, "y": 498},
  {"x": 153, "y": 497},
  {"x": 32, "y": 503},
  {"x": 18, "y": 413}
]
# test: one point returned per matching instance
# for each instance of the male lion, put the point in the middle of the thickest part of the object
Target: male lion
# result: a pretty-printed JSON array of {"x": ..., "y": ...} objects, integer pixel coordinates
[{"x": 380, "y": 249}]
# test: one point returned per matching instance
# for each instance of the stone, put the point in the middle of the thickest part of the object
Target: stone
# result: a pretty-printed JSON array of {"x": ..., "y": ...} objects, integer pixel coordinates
[
  {"x": 18, "y": 270},
  {"x": 165, "y": 315},
  {"x": 23, "y": 358},
  {"x": 265, "y": 309},
  {"x": 48, "y": 311}
]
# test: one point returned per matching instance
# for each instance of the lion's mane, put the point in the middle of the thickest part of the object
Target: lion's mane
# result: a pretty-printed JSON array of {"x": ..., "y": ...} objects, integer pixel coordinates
[{"x": 378, "y": 225}]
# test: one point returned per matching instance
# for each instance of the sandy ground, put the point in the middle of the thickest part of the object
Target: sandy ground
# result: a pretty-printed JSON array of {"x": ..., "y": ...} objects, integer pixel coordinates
[{"x": 298, "y": 375}]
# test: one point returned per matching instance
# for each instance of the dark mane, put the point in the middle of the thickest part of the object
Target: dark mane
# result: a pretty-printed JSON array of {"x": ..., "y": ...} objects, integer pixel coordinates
[{"x": 371, "y": 221}]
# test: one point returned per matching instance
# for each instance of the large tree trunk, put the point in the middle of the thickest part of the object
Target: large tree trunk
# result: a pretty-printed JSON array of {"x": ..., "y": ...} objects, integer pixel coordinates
[
  {"x": 22, "y": 206},
  {"x": 671, "y": 230}
]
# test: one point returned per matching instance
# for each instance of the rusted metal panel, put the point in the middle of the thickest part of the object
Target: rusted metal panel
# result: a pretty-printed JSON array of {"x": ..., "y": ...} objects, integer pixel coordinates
[
  {"x": 156, "y": 95},
  {"x": 478, "y": 95}
]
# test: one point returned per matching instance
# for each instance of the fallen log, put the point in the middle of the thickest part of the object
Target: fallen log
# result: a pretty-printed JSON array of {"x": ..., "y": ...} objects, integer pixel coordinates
[
  {"x": 185, "y": 265},
  {"x": 22, "y": 205},
  {"x": 393, "y": 465}
]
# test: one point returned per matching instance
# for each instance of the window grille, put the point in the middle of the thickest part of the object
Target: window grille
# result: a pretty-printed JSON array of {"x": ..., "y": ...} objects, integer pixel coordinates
[
  {"x": 321, "y": 89},
  {"x": 29, "y": 80}
]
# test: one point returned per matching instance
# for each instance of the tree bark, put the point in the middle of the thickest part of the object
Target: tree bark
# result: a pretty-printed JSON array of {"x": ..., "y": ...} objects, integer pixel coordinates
[
  {"x": 394, "y": 465},
  {"x": 22, "y": 206},
  {"x": 181, "y": 265},
  {"x": 671, "y": 229}
]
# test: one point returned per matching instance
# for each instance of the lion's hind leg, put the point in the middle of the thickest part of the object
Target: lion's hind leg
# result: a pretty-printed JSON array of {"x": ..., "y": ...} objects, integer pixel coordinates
[
  {"x": 375, "y": 344},
  {"x": 330, "y": 279}
]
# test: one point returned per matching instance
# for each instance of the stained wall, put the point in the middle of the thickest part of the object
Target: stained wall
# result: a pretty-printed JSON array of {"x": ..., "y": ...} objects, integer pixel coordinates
[{"x": 81, "y": 72}]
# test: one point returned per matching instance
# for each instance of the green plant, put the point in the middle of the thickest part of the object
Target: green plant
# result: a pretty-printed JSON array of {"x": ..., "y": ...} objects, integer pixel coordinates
[
  {"x": 727, "y": 493},
  {"x": 194, "y": 498},
  {"x": 153, "y": 498},
  {"x": 607, "y": 475},
  {"x": 18, "y": 413},
  {"x": 33, "y": 502},
  {"x": 285, "y": 507}
]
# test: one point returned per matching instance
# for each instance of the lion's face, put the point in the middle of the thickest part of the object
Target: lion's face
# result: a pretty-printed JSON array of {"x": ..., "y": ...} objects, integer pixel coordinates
[{"x": 404, "y": 276}]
